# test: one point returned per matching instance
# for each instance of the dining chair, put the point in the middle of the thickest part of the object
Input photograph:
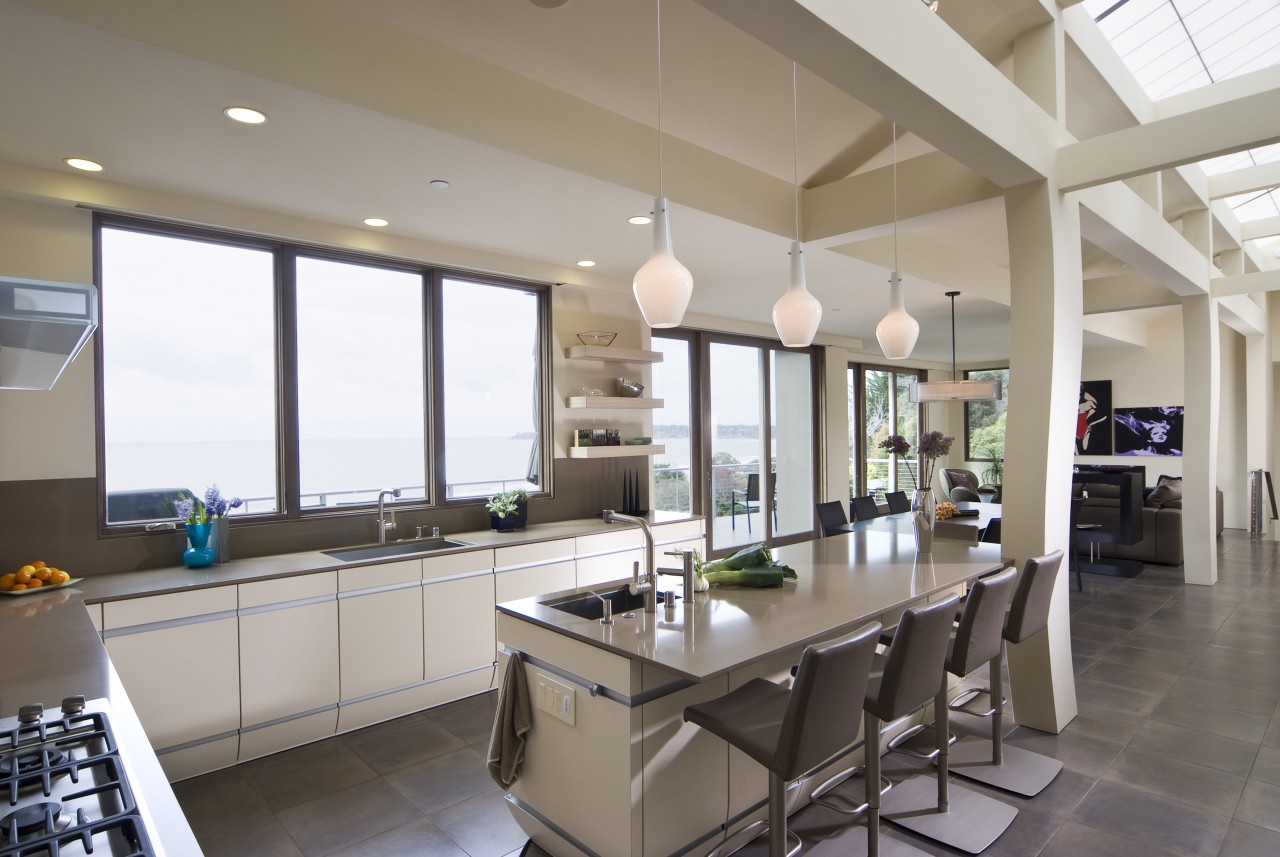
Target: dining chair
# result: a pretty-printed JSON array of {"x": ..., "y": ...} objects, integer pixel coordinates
[
  {"x": 749, "y": 496},
  {"x": 898, "y": 502},
  {"x": 991, "y": 535},
  {"x": 831, "y": 517},
  {"x": 863, "y": 508}
]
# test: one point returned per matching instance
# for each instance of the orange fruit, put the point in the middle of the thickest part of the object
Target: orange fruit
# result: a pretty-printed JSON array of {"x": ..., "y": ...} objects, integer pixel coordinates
[
  {"x": 59, "y": 576},
  {"x": 17, "y": 587},
  {"x": 7, "y": 581},
  {"x": 42, "y": 574},
  {"x": 35, "y": 584},
  {"x": 23, "y": 574},
  {"x": 37, "y": 564}
]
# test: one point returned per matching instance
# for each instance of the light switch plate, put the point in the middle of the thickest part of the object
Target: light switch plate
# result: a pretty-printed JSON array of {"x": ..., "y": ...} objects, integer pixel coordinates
[{"x": 556, "y": 698}]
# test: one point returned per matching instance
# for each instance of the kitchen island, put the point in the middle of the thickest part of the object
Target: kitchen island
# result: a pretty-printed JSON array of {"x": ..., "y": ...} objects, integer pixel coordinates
[{"x": 610, "y": 766}]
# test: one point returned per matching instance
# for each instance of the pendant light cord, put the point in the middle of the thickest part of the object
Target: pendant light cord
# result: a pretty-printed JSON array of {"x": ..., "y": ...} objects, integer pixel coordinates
[
  {"x": 894, "y": 146},
  {"x": 795, "y": 145},
  {"x": 952, "y": 295},
  {"x": 660, "y": 185}
]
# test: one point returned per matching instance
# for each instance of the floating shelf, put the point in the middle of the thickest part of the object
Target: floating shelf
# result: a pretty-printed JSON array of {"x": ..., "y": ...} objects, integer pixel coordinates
[
  {"x": 616, "y": 451},
  {"x": 612, "y": 355},
  {"x": 621, "y": 403}
]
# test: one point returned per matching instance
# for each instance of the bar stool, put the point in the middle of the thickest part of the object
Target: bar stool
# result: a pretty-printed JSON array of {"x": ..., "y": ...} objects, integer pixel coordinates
[
  {"x": 1011, "y": 768},
  {"x": 961, "y": 818},
  {"x": 793, "y": 731}
]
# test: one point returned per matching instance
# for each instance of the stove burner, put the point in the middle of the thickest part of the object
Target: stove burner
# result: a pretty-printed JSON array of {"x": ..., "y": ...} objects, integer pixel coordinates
[
  {"x": 27, "y": 763},
  {"x": 29, "y": 819}
]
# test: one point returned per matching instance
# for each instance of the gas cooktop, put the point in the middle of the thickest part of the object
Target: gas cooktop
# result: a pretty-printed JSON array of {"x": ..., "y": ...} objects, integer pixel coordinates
[{"x": 64, "y": 787}]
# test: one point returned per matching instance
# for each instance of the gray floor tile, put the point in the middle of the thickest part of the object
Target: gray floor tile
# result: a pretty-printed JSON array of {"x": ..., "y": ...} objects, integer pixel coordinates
[
  {"x": 1161, "y": 660},
  {"x": 482, "y": 825},
  {"x": 1105, "y": 723},
  {"x": 1247, "y": 840},
  {"x": 1267, "y": 766},
  {"x": 210, "y": 800},
  {"x": 418, "y": 838},
  {"x": 1152, "y": 820},
  {"x": 1191, "y": 745},
  {"x": 1080, "y": 753},
  {"x": 1099, "y": 633},
  {"x": 1131, "y": 677},
  {"x": 1223, "y": 695},
  {"x": 1211, "y": 719},
  {"x": 342, "y": 819},
  {"x": 1078, "y": 840},
  {"x": 297, "y": 776},
  {"x": 1260, "y": 805},
  {"x": 1123, "y": 699},
  {"x": 261, "y": 836},
  {"x": 440, "y": 782},
  {"x": 470, "y": 719},
  {"x": 1144, "y": 638},
  {"x": 401, "y": 743},
  {"x": 1194, "y": 785}
]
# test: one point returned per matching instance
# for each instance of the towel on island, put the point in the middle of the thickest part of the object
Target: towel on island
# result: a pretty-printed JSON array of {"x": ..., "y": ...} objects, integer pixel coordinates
[{"x": 512, "y": 720}]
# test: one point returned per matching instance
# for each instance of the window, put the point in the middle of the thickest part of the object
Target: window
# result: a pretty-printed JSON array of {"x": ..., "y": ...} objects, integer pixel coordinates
[
  {"x": 984, "y": 425},
  {"x": 188, "y": 373},
  {"x": 673, "y": 426},
  {"x": 306, "y": 382},
  {"x": 882, "y": 396}
]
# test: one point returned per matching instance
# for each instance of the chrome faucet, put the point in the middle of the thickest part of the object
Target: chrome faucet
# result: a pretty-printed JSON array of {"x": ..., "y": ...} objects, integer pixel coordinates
[
  {"x": 385, "y": 526},
  {"x": 646, "y": 582}
]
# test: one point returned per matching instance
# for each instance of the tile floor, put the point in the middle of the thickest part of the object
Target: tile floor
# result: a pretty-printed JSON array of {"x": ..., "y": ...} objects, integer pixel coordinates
[{"x": 1176, "y": 749}]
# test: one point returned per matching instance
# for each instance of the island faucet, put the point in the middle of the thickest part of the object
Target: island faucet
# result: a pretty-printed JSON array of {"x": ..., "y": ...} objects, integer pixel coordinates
[
  {"x": 383, "y": 524},
  {"x": 646, "y": 582}
]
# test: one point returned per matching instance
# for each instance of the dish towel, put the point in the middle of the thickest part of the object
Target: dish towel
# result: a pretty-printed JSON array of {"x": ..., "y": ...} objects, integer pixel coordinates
[{"x": 512, "y": 720}]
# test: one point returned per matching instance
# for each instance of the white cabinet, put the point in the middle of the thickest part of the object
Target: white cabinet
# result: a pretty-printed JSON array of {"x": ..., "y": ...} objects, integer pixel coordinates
[
  {"x": 288, "y": 662},
  {"x": 380, "y": 622},
  {"x": 178, "y": 657},
  {"x": 458, "y": 615},
  {"x": 525, "y": 571}
]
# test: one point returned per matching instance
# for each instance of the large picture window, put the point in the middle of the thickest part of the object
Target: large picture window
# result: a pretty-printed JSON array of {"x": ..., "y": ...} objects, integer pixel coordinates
[
  {"x": 984, "y": 425},
  {"x": 305, "y": 382}
]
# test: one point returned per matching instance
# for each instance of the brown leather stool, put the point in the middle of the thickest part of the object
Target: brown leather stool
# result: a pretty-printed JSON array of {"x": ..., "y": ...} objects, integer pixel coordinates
[{"x": 793, "y": 731}]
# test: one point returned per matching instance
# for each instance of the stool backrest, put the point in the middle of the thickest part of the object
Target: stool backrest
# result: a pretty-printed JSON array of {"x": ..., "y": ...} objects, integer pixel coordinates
[
  {"x": 978, "y": 635},
  {"x": 914, "y": 664},
  {"x": 826, "y": 696},
  {"x": 831, "y": 517},
  {"x": 1029, "y": 614},
  {"x": 864, "y": 508}
]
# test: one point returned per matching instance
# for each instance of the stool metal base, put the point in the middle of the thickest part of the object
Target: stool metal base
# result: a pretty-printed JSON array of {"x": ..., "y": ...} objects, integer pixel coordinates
[
  {"x": 823, "y": 796},
  {"x": 852, "y": 842},
  {"x": 1022, "y": 771},
  {"x": 975, "y": 701},
  {"x": 973, "y": 822},
  {"x": 919, "y": 741},
  {"x": 755, "y": 830}
]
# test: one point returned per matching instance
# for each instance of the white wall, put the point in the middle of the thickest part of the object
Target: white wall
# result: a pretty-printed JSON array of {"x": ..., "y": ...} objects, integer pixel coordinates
[{"x": 1233, "y": 463}]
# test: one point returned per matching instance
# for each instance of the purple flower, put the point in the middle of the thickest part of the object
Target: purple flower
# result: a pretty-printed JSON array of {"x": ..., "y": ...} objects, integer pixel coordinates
[
  {"x": 219, "y": 505},
  {"x": 186, "y": 509},
  {"x": 935, "y": 445},
  {"x": 896, "y": 444}
]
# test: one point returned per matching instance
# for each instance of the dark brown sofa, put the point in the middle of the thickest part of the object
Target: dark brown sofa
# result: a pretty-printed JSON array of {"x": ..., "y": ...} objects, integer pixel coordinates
[{"x": 1161, "y": 525}]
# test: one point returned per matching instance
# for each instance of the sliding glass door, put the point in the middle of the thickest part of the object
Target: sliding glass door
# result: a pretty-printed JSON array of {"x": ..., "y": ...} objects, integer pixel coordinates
[{"x": 883, "y": 409}]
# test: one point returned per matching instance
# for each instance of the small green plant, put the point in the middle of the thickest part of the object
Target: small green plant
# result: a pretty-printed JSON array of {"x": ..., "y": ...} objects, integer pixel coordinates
[
  {"x": 507, "y": 503},
  {"x": 994, "y": 472}
]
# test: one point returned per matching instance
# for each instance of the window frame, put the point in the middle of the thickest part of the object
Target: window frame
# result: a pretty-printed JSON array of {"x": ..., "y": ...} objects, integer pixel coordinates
[
  {"x": 288, "y": 476},
  {"x": 1004, "y": 393},
  {"x": 860, "y": 370}
]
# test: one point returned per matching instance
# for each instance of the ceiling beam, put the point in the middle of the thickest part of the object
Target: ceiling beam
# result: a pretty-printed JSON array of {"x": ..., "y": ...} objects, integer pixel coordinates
[
  {"x": 1118, "y": 327},
  {"x": 1125, "y": 292},
  {"x": 862, "y": 204},
  {"x": 1247, "y": 284},
  {"x": 921, "y": 258},
  {"x": 1264, "y": 228},
  {"x": 1247, "y": 180},
  {"x": 1242, "y": 315},
  {"x": 1120, "y": 222},
  {"x": 900, "y": 60},
  {"x": 1243, "y": 119}
]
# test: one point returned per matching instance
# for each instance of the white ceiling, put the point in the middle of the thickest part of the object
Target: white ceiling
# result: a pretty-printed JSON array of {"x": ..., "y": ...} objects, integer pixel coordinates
[{"x": 354, "y": 133}]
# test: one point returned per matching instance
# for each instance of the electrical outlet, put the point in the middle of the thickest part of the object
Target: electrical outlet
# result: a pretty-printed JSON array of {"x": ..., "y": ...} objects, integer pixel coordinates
[{"x": 556, "y": 698}]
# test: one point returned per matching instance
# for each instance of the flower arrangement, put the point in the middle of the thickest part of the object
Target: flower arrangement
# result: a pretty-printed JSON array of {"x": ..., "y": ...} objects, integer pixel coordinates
[
  {"x": 946, "y": 510},
  {"x": 214, "y": 505},
  {"x": 507, "y": 503},
  {"x": 895, "y": 444},
  {"x": 933, "y": 445}
]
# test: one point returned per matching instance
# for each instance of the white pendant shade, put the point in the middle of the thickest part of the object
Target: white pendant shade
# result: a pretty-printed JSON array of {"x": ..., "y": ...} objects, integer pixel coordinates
[
  {"x": 955, "y": 391},
  {"x": 897, "y": 331},
  {"x": 662, "y": 286},
  {"x": 797, "y": 313}
]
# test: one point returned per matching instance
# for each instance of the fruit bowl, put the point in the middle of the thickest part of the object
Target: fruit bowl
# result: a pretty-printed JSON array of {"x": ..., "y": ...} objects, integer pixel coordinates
[
  {"x": 603, "y": 338},
  {"x": 628, "y": 389}
]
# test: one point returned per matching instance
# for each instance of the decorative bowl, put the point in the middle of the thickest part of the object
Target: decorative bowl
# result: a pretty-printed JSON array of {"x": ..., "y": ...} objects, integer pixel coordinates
[
  {"x": 628, "y": 389},
  {"x": 602, "y": 338}
]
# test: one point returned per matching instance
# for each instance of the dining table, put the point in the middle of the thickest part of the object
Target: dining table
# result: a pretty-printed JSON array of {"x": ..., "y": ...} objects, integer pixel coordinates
[{"x": 967, "y": 527}]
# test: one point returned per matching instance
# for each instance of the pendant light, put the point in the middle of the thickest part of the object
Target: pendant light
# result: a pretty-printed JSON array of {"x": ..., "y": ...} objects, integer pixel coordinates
[
  {"x": 954, "y": 390},
  {"x": 662, "y": 286},
  {"x": 897, "y": 331},
  {"x": 797, "y": 313}
]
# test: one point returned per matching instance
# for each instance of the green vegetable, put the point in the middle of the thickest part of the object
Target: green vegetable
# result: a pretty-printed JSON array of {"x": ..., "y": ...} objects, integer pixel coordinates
[{"x": 751, "y": 566}]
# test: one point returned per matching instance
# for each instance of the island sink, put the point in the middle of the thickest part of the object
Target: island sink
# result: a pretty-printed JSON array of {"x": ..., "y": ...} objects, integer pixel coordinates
[
  {"x": 592, "y": 607},
  {"x": 413, "y": 546}
]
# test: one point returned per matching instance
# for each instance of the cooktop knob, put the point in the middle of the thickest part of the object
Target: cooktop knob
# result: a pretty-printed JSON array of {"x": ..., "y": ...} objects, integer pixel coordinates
[
  {"x": 72, "y": 705},
  {"x": 30, "y": 713}
]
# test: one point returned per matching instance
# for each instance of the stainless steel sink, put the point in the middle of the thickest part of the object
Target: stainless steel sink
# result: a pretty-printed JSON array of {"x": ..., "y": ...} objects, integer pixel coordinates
[
  {"x": 408, "y": 548},
  {"x": 591, "y": 607}
]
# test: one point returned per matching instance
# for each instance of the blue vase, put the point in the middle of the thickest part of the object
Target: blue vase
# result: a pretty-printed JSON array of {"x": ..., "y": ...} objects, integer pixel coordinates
[{"x": 199, "y": 554}]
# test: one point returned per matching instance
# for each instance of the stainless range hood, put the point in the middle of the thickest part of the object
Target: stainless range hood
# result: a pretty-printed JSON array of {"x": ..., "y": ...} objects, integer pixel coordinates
[{"x": 43, "y": 326}]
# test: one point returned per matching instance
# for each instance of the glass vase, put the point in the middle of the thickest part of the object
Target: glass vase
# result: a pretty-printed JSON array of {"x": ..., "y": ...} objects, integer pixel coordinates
[
  {"x": 924, "y": 514},
  {"x": 199, "y": 555},
  {"x": 220, "y": 540}
]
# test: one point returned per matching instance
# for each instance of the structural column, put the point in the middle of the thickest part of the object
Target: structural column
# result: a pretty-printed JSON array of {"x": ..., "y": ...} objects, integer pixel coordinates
[
  {"x": 1202, "y": 370},
  {"x": 1046, "y": 335}
]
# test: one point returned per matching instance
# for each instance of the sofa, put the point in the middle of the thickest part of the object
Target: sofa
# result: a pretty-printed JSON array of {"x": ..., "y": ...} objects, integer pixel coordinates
[{"x": 1161, "y": 520}]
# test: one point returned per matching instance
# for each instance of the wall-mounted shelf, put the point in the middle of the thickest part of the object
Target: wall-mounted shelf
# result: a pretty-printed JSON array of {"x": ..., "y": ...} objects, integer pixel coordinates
[
  {"x": 620, "y": 403},
  {"x": 612, "y": 355},
  {"x": 616, "y": 451}
]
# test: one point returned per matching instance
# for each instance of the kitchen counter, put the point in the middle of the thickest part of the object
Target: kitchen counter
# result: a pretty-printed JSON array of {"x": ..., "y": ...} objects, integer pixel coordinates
[{"x": 51, "y": 651}]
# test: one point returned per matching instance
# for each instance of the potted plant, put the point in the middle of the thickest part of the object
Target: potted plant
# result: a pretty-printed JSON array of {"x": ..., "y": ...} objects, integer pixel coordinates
[{"x": 508, "y": 511}]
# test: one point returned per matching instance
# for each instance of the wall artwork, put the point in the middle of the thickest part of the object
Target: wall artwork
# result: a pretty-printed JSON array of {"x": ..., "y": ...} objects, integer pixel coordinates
[
  {"x": 1149, "y": 431},
  {"x": 1093, "y": 420}
]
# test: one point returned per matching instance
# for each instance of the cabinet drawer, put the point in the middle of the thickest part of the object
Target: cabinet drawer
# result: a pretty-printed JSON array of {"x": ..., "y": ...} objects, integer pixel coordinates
[
  {"x": 627, "y": 536},
  {"x": 458, "y": 625},
  {"x": 380, "y": 642},
  {"x": 288, "y": 662},
  {"x": 537, "y": 553},
  {"x": 285, "y": 589},
  {"x": 457, "y": 563},
  {"x": 611, "y": 566},
  {"x": 384, "y": 574},
  {"x": 538, "y": 580},
  {"x": 678, "y": 531},
  {"x": 165, "y": 608}
]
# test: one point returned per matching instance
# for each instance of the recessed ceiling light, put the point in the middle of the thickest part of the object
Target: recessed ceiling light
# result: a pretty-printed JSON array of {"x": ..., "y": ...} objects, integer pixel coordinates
[
  {"x": 440, "y": 183},
  {"x": 586, "y": 263},
  {"x": 374, "y": 221},
  {"x": 640, "y": 220},
  {"x": 247, "y": 115},
  {"x": 84, "y": 164}
]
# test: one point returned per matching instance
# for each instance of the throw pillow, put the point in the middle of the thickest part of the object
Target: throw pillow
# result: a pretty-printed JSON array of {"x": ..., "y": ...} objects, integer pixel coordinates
[{"x": 1168, "y": 490}]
